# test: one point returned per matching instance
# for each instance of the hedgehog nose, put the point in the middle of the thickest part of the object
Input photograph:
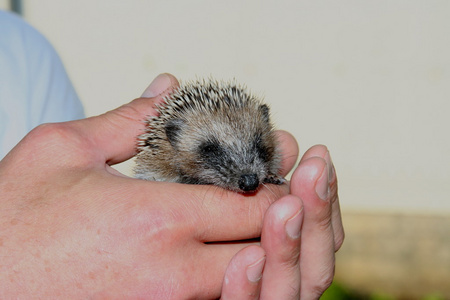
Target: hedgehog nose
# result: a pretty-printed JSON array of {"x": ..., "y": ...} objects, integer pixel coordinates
[{"x": 248, "y": 182}]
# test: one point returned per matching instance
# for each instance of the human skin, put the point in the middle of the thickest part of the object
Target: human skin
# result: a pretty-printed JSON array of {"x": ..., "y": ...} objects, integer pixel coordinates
[
  {"x": 300, "y": 234},
  {"x": 73, "y": 227}
]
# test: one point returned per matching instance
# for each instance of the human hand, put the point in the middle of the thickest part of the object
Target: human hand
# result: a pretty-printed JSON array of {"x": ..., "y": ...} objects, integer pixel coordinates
[
  {"x": 71, "y": 226},
  {"x": 300, "y": 235}
]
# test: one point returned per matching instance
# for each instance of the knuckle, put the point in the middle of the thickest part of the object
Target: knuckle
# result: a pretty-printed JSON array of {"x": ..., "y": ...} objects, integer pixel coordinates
[
  {"x": 323, "y": 282},
  {"x": 324, "y": 224},
  {"x": 50, "y": 132},
  {"x": 55, "y": 142}
]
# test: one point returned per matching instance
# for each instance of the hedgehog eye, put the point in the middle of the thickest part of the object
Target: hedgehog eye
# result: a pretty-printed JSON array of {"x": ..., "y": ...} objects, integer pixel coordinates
[
  {"x": 212, "y": 154},
  {"x": 209, "y": 148}
]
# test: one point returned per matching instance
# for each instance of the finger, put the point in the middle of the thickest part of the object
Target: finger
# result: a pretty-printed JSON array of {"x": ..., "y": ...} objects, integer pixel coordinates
[
  {"x": 217, "y": 258},
  {"x": 162, "y": 84},
  {"x": 280, "y": 239},
  {"x": 114, "y": 133},
  {"x": 289, "y": 151},
  {"x": 242, "y": 279},
  {"x": 310, "y": 182},
  {"x": 230, "y": 216},
  {"x": 336, "y": 218}
]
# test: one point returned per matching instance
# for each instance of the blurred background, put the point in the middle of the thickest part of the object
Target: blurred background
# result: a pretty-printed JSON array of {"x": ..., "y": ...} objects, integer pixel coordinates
[{"x": 369, "y": 79}]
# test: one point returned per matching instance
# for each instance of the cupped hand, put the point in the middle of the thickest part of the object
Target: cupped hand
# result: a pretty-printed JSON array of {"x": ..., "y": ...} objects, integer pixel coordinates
[
  {"x": 301, "y": 233},
  {"x": 71, "y": 226}
]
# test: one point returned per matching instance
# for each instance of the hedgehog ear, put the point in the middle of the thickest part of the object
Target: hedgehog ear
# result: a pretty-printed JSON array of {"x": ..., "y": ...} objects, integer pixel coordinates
[
  {"x": 264, "y": 109},
  {"x": 173, "y": 128}
]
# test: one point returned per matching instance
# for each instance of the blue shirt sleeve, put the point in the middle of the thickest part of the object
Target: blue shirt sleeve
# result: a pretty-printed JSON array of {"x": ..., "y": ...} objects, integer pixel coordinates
[{"x": 34, "y": 86}]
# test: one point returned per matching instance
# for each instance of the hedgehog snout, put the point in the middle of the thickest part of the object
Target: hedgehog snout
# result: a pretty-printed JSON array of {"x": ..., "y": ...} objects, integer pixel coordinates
[{"x": 248, "y": 182}]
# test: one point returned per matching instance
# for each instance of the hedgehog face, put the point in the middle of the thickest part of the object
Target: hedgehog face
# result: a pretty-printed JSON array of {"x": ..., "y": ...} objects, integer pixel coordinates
[
  {"x": 223, "y": 150},
  {"x": 240, "y": 167},
  {"x": 210, "y": 133}
]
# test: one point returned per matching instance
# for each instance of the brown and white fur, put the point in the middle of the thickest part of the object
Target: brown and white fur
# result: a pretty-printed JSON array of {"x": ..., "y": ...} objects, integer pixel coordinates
[{"x": 210, "y": 132}]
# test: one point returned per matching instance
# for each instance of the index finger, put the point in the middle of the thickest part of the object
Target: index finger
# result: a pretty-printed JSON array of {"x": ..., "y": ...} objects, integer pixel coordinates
[
  {"x": 336, "y": 218},
  {"x": 233, "y": 216}
]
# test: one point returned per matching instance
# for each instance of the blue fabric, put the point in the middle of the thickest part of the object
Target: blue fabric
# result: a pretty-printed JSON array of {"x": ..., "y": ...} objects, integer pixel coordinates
[{"x": 34, "y": 86}]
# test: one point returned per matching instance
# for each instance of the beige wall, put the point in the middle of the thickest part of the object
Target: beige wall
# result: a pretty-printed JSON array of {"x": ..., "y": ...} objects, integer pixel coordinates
[
  {"x": 370, "y": 79},
  {"x": 4, "y": 4}
]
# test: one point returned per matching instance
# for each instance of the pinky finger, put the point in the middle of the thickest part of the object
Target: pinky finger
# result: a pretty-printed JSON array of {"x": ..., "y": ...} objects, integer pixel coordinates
[{"x": 243, "y": 275}]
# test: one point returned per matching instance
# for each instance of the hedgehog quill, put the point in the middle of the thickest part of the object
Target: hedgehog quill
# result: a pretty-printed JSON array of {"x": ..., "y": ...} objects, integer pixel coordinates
[{"x": 210, "y": 132}]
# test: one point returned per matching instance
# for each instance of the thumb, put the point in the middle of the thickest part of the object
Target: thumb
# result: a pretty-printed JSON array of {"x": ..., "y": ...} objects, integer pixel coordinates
[{"x": 113, "y": 134}]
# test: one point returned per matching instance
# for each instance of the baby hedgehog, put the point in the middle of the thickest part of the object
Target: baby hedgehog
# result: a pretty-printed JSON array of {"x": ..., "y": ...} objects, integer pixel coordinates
[{"x": 210, "y": 132}]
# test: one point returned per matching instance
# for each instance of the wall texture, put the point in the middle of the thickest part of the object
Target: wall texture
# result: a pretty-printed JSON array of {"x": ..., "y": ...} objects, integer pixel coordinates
[{"x": 370, "y": 79}]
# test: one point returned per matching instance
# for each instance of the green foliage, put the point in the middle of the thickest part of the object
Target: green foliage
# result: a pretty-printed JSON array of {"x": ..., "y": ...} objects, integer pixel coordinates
[
  {"x": 339, "y": 292},
  {"x": 381, "y": 296},
  {"x": 434, "y": 296}
]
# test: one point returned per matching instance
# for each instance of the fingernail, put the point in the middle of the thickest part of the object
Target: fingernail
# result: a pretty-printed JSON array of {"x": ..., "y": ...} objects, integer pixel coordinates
[
  {"x": 294, "y": 225},
  {"x": 330, "y": 166},
  {"x": 254, "y": 271},
  {"x": 322, "y": 184},
  {"x": 161, "y": 83}
]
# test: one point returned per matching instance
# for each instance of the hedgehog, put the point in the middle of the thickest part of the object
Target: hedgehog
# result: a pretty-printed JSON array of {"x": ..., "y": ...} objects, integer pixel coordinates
[{"x": 210, "y": 132}]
